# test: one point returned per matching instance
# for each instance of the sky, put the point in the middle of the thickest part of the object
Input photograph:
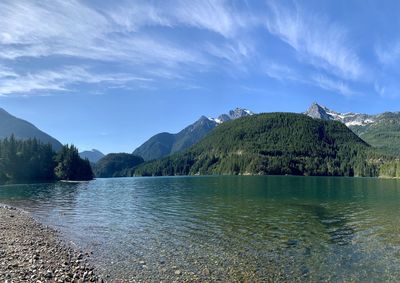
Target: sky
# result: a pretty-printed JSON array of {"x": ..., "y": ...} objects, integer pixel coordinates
[{"x": 110, "y": 74}]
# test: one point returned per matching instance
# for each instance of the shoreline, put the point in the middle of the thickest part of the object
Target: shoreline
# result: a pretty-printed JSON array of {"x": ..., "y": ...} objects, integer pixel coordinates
[{"x": 33, "y": 252}]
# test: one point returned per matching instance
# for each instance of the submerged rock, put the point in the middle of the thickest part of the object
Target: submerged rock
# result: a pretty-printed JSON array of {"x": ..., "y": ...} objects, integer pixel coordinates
[{"x": 33, "y": 252}]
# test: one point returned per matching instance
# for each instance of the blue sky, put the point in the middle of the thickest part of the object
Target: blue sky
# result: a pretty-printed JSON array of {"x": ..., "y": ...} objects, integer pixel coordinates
[{"x": 110, "y": 74}]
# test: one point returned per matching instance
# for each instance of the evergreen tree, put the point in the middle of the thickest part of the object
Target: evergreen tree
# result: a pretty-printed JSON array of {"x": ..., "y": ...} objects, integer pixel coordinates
[{"x": 71, "y": 167}]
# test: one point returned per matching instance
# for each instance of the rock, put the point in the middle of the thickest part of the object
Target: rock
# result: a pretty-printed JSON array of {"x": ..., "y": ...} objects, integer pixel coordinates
[
  {"x": 178, "y": 272},
  {"x": 206, "y": 272},
  {"x": 30, "y": 252},
  {"x": 49, "y": 274}
]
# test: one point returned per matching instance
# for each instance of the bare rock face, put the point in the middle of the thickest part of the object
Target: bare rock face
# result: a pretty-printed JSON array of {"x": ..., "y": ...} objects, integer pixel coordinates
[
  {"x": 317, "y": 111},
  {"x": 235, "y": 114},
  {"x": 350, "y": 119}
]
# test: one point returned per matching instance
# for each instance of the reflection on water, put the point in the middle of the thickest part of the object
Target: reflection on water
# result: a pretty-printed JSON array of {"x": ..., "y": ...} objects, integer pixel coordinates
[{"x": 228, "y": 228}]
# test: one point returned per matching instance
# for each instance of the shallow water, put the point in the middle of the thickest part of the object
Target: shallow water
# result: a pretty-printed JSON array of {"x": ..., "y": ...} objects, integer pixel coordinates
[{"x": 227, "y": 228}]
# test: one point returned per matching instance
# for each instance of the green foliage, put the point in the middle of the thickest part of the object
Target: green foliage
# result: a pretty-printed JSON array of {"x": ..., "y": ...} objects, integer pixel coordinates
[
  {"x": 116, "y": 164},
  {"x": 157, "y": 146},
  {"x": 384, "y": 134},
  {"x": 71, "y": 167},
  {"x": 25, "y": 161},
  {"x": 275, "y": 143},
  {"x": 390, "y": 169},
  {"x": 164, "y": 144},
  {"x": 32, "y": 161}
]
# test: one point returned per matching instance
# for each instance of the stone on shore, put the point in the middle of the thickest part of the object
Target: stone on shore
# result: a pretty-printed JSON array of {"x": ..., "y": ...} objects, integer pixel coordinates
[{"x": 31, "y": 252}]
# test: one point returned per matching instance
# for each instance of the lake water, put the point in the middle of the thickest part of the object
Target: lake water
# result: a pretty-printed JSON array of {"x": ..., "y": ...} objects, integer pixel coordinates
[{"x": 234, "y": 229}]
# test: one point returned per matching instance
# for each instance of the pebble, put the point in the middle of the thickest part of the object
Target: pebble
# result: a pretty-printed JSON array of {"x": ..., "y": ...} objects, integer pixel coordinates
[{"x": 34, "y": 253}]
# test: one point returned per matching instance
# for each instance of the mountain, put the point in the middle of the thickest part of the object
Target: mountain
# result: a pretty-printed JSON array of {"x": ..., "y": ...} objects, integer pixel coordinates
[
  {"x": 382, "y": 131},
  {"x": 21, "y": 129},
  {"x": 164, "y": 144},
  {"x": 93, "y": 155},
  {"x": 273, "y": 143},
  {"x": 349, "y": 119},
  {"x": 116, "y": 164}
]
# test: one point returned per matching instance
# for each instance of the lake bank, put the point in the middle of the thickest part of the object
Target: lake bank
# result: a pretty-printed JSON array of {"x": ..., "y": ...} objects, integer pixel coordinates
[
  {"x": 225, "y": 229},
  {"x": 32, "y": 252}
]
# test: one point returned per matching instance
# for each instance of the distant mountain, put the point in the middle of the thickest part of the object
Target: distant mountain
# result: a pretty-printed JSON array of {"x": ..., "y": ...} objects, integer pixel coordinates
[
  {"x": 23, "y": 130},
  {"x": 273, "y": 143},
  {"x": 93, "y": 155},
  {"x": 164, "y": 144},
  {"x": 116, "y": 164},
  {"x": 349, "y": 119},
  {"x": 381, "y": 131}
]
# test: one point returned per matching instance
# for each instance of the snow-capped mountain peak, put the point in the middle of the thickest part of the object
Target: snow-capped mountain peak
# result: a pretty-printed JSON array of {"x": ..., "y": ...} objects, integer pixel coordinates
[
  {"x": 349, "y": 119},
  {"x": 232, "y": 115}
]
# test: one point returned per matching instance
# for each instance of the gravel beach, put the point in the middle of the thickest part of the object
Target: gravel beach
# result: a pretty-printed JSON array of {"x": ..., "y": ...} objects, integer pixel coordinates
[{"x": 31, "y": 252}]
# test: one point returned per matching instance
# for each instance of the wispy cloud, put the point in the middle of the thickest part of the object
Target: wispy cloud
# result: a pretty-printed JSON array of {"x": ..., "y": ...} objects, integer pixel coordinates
[
  {"x": 332, "y": 85},
  {"x": 284, "y": 73},
  {"x": 379, "y": 89},
  {"x": 115, "y": 34},
  {"x": 61, "y": 80},
  {"x": 388, "y": 55},
  {"x": 317, "y": 40},
  {"x": 216, "y": 16},
  {"x": 169, "y": 41},
  {"x": 237, "y": 53}
]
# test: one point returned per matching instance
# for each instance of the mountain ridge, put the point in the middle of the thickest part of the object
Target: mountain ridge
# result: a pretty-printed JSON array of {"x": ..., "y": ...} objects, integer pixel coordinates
[
  {"x": 271, "y": 143},
  {"x": 93, "y": 155},
  {"x": 382, "y": 131},
  {"x": 164, "y": 144},
  {"x": 22, "y": 129}
]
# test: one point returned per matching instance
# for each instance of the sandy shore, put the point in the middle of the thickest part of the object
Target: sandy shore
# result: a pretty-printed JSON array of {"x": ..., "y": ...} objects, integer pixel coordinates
[{"x": 31, "y": 252}]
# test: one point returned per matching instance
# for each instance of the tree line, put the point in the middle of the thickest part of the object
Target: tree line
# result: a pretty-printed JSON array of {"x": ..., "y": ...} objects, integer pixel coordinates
[
  {"x": 273, "y": 144},
  {"x": 32, "y": 161}
]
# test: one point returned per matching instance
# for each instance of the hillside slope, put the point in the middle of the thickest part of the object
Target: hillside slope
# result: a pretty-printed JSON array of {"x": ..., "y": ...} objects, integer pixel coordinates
[
  {"x": 381, "y": 131},
  {"x": 21, "y": 129},
  {"x": 93, "y": 155},
  {"x": 165, "y": 144},
  {"x": 116, "y": 164},
  {"x": 274, "y": 143}
]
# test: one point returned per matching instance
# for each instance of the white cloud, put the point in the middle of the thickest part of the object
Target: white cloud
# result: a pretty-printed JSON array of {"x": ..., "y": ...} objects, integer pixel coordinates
[
  {"x": 285, "y": 73},
  {"x": 123, "y": 36},
  {"x": 320, "y": 42},
  {"x": 61, "y": 80},
  {"x": 236, "y": 53},
  {"x": 7, "y": 72},
  {"x": 218, "y": 16},
  {"x": 281, "y": 72},
  {"x": 388, "y": 55},
  {"x": 35, "y": 29},
  {"x": 213, "y": 15},
  {"x": 379, "y": 89},
  {"x": 116, "y": 34},
  {"x": 332, "y": 85}
]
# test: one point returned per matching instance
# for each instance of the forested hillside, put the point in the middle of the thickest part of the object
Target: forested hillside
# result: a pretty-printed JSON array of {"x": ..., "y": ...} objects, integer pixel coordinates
[
  {"x": 116, "y": 164},
  {"x": 21, "y": 129},
  {"x": 274, "y": 143}
]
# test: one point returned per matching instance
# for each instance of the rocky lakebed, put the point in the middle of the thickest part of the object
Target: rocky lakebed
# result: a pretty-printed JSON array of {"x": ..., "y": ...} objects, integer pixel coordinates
[{"x": 32, "y": 252}]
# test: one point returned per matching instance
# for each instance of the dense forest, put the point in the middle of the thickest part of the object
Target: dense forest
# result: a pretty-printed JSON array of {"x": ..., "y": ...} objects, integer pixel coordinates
[
  {"x": 384, "y": 134},
  {"x": 116, "y": 165},
  {"x": 31, "y": 161},
  {"x": 276, "y": 144},
  {"x": 71, "y": 167}
]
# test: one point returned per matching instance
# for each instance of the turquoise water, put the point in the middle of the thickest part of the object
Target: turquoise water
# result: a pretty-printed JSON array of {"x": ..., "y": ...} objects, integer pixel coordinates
[{"x": 227, "y": 228}]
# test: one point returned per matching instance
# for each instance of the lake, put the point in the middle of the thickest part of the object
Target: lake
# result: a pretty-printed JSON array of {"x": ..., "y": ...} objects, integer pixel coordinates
[{"x": 235, "y": 229}]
